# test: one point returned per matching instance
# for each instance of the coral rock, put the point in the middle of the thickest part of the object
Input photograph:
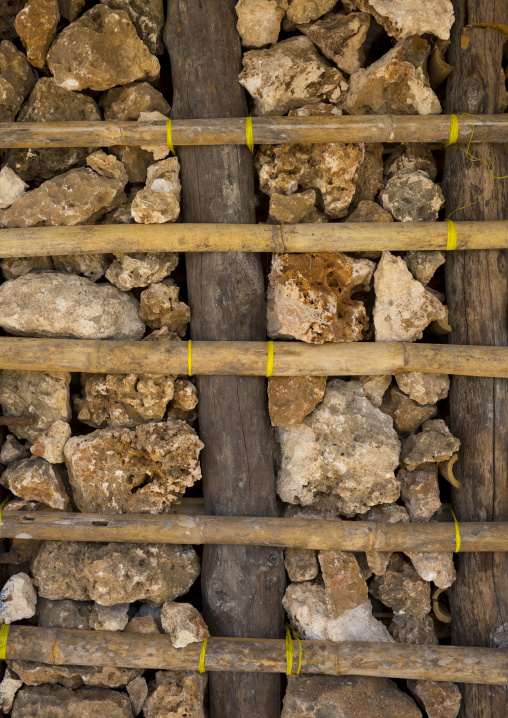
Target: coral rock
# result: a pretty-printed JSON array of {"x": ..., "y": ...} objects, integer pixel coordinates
[
  {"x": 435, "y": 567},
  {"x": 15, "y": 267},
  {"x": 11, "y": 187},
  {"x": 309, "y": 297},
  {"x": 411, "y": 157},
  {"x": 186, "y": 395},
  {"x": 176, "y": 693},
  {"x": 434, "y": 443},
  {"x": 35, "y": 479},
  {"x": 100, "y": 50},
  {"x": 36, "y": 25},
  {"x": 259, "y": 21},
  {"x": 8, "y": 688},
  {"x": 402, "y": 589},
  {"x": 60, "y": 702},
  {"x": 440, "y": 699},
  {"x": 369, "y": 211},
  {"x": 340, "y": 38},
  {"x": 148, "y": 19},
  {"x": 423, "y": 265},
  {"x": 12, "y": 450},
  {"x": 404, "y": 18},
  {"x": 420, "y": 491},
  {"x": 50, "y": 444},
  {"x": 423, "y": 388},
  {"x": 344, "y": 586},
  {"x": 386, "y": 513},
  {"x": 291, "y": 398},
  {"x": 33, "y": 674},
  {"x": 342, "y": 456},
  {"x": 146, "y": 469},
  {"x": 301, "y": 564},
  {"x": 403, "y": 308},
  {"x": 407, "y": 414},
  {"x": 107, "y": 166},
  {"x": 128, "y": 102},
  {"x": 303, "y": 11},
  {"x": 406, "y": 629},
  {"x": 16, "y": 80},
  {"x": 138, "y": 692},
  {"x": 91, "y": 266},
  {"x": 72, "y": 615},
  {"x": 114, "y": 573},
  {"x": 293, "y": 208},
  {"x": 161, "y": 307},
  {"x": 411, "y": 196},
  {"x": 183, "y": 623},
  {"x": 290, "y": 74},
  {"x": 154, "y": 207},
  {"x": 18, "y": 599},
  {"x": 374, "y": 387},
  {"x": 140, "y": 270},
  {"x": 109, "y": 618}
]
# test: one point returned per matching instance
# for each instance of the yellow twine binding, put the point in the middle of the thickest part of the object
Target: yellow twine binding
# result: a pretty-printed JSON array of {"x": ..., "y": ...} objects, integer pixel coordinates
[
  {"x": 201, "y": 666},
  {"x": 454, "y": 130},
  {"x": 189, "y": 358},
  {"x": 457, "y": 533},
  {"x": 269, "y": 360},
  {"x": 249, "y": 134},
  {"x": 170, "y": 137},
  {"x": 4, "y": 632},
  {"x": 290, "y": 649},
  {"x": 451, "y": 242}
]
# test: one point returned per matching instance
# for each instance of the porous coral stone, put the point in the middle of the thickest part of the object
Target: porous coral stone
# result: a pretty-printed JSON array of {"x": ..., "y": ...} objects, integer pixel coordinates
[
  {"x": 259, "y": 21},
  {"x": 404, "y": 18},
  {"x": 176, "y": 693},
  {"x": 402, "y": 589},
  {"x": 59, "y": 702}
]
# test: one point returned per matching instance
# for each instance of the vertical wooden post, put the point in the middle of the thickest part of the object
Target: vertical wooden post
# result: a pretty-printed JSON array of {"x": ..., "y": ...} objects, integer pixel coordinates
[
  {"x": 477, "y": 296},
  {"x": 242, "y": 586}
]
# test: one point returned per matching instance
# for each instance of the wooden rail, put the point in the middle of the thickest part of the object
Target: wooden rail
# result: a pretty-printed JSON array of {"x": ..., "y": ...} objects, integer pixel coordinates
[
  {"x": 248, "y": 531},
  {"x": 249, "y": 358},
  {"x": 266, "y": 130},
  {"x": 131, "y": 650},
  {"x": 333, "y": 237}
]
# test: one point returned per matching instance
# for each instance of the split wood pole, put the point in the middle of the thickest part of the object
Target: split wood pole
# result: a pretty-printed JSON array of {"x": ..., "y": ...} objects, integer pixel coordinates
[
  {"x": 242, "y": 586},
  {"x": 254, "y": 531},
  {"x": 333, "y": 237},
  {"x": 477, "y": 292},
  {"x": 257, "y": 656},
  {"x": 266, "y": 130}
]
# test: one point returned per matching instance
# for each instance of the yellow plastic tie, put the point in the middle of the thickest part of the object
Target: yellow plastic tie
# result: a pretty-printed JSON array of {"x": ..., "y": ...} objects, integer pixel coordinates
[
  {"x": 454, "y": 130},
  {"x": 170, "y": 137},
  {"x": 189, "y": 358},
  {"x": 249, "y": 134},
  {"x": 269, "y": 360},
  {"x": 295, "y": 635},
  {"x": 290, "y": 649},
  {"x": 457, "y": 533},
  {"x": 4, "y": 632},
  {"x": 451, "y": 242},
  {"x": 201, "y": 666}
]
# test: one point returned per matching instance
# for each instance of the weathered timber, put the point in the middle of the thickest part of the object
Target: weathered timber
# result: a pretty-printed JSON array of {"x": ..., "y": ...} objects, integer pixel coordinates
[
  {"x": 477, "y": 295},
  {"x": 249, "y": 359},
  {"x": 242, "y": 586},
  {"x": 231, "y": 130},
  {"x": 333, "y": 237},
  {"x": 254, "y": 531},
  {"x": 131, "y": 650}
]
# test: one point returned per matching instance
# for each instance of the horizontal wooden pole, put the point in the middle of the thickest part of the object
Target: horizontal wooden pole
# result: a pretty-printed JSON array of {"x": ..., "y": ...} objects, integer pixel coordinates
[
  {"x": 131, "y": 650},
  {"x": 333, "y": 237},
  {"x": 249, "y": 358},
  {"x": 266, "y": 130},
  {"x": 260, "y": 531}
]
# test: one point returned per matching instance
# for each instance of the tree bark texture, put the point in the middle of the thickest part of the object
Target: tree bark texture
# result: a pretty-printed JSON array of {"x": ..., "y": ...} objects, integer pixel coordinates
[
  {"x": 242, "y": 586},
  {"x": 477, "y": 295}
]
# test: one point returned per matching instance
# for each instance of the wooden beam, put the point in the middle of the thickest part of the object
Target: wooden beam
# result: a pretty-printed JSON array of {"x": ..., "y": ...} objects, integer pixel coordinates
[
  {"x": 333, "y": 237},
  {"x": 266, "y": 130},
  {"x": 131, "y": 650},
  {"x": 249, "y": 531}
]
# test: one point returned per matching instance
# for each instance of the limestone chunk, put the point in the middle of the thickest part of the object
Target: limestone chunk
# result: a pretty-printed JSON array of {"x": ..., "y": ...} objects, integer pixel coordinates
[
  {"x": 342, "y": 456},
  {"x": 138, "y": 692},
  {"x": 369, "y": 211},
  {"x": 164, "y": 176},
  {"x": 404, "y": 18},
  {"x": 50, "y": 444},
  {"x": 291, "y": 398},
  {"x": 42, "y": 395},
  {"x": 35, "y": 479},
  {"x": 440, "y": 699},
  {"x": 14, "y": 267},
  {"x": 414, "y": 156},
  {"x": 34, "y": 673},
  {"x": 303, "y": 11},
  {"x": 70, "y": 9},
  {"x": 18, "y": 599},
  {"x": 140, "y": 269},
  {"x": 109, "y": 618},
  {"x": 385, "y": 513},
  {"x": 345, "y": 587},
  {"x": 395, "y": 84},
  {"x": 8, "y": 688},
  {"x": 60, "y": 702},
  {"x": 183, "y": 623},
  {"x": 91, "y": 266},
  {"x": 341, "y": 38},
  {"x": 12, "y": 187},
  {"x": 420, "y": 491},
  {"x": 146, "y": 469},
  {"x": 16, "y": 80},
  {"x": 411, "y": 196},
  {"x": 290, "y": 74},
  {"x": 142, "y": 624},
  {"x": 407, "y": 414},
  {"x": 100, "y": 50},
  {"x": 406, "y": 629},
  {"x": 148, "y": 19},
  {"x": 259, "y": 21},
  {"x": 309, "y": 297},
  {"x": 186, "y": 395},
  {"x": 79, "y": 196},
  {"x": 160, "y": 307},
  {"x": 331, "y": 169},
  {"x": 340, "y": 696},
  {"x": 423, "y": 264},
  {"x": 306, "y": 607},
  {"x": 374, "y": 387},
  {"x": 72, "y": 615},
  {"x": 114, "y": 573},
  {"x": 434, "y": 443},
  {"x": 423, "y": 388},
  {"x": 36, "y": 25},
  {"x": 155, "y": 207},
  {"x": 301, "y": 564},
  {"x": 12, "y": 450},
  {"x": 65, "y": 305},
  {"x": 176, "y": 693},
  {"x": 107, "y": 166},
  {"x": 403, "y": 307},
  {"x": 50, "y": 103},
  {"x": 435, "y": 567},
  {"x": 402, "y": 589},
  {"x": 293, "y": 208},
  {"x": 128, "y": 102}
]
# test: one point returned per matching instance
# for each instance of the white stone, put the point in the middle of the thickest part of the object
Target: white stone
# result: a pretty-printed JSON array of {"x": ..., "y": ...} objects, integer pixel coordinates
[
  {"x": 8, "y": 689},
  {"x": 109, "y": 618},
  {"x": 403, "y": 18},
  {"x": 18, "y": 599},
  {"x": 11, "y": 187},
  {"x": 435, "y": 567},
  {"x": 259, "y": 21}
]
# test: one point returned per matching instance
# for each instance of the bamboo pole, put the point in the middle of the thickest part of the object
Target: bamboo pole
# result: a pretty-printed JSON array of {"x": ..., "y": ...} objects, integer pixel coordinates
[
  {"x": 247, "y": 531},
  {"x": 333, "y": 237},
  {"x": 266, "y": 130},
  {"x": 57, "y": 646},
  {"x": 249, "y": 358}
]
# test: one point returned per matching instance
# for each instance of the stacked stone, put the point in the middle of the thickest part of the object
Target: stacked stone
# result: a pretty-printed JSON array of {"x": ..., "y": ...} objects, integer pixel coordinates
[
  {"x": 101, "y": 443},
  {"x": 368, "y": 447}
]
